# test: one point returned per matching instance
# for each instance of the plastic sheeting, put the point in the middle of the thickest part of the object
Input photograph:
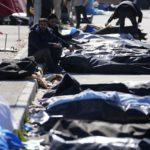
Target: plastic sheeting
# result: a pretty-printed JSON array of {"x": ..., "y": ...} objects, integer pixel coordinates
[
  {"x": 69, "y": 86},
  {"x": 62, "y": 141},
  {"x": 86, "y": 128},
  {"x": 127, "y": 29},
  {"x": 109, "y": 106},
  {"x": 96, "y": 55},
  {"x": 87, "y": 64},
  {"x": 69, "y": 31},
  {"x": 6, "y": 121},
  {"x": 90, "y": 10},
  {"x": 9, "y": 141}
]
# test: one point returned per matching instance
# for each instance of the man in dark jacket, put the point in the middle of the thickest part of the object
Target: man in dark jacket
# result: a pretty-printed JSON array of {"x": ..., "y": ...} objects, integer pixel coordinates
[
  {"x": 127, "y": 9},
  {"x": 47, "y": 7},
  {"x": 54, "y": 24},
  {"x": 45, "y": 46}
]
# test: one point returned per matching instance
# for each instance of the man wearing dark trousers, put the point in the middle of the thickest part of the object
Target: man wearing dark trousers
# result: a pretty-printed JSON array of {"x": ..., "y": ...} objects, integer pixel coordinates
[
  {"x": 127, "y": 9},
  {"x": 80, "y": 9},
  {"x": 47, "y": 7},
  {"x": 45, "y": 46}
]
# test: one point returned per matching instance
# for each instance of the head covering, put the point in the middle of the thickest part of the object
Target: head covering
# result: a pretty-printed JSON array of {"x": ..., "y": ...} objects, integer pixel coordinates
[{"x": 43, "y": 19}]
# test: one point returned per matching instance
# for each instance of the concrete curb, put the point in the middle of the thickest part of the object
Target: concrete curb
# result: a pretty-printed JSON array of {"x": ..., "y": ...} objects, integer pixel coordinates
[
  {"x": 27, "y": 95},
  {"x": 23, "y": 101}
]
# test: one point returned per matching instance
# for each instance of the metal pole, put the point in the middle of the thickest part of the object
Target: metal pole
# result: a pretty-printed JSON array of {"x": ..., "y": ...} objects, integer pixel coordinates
[
  {"x": 5, "y": 42},
  {"x": 37, "y": 8},
  {"x": 19, "y": 32}
]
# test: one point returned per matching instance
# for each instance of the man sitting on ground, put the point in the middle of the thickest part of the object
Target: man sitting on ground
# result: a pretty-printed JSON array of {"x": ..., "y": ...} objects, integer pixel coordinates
[{"x": 45, "y": 46}]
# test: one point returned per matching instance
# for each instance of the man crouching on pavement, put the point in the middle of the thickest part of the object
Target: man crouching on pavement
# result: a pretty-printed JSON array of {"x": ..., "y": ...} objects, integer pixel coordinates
[{"x": 127, "y": 9}]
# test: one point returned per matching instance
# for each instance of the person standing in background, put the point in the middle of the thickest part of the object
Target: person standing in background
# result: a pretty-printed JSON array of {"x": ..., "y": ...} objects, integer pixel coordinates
[
  {"x": 68, "y": 4},
  {"x": 57, "y": 8},
  {"x": 47, "y": 7},
  {"x": 42, "y": 9},
  {"x": 30, "y": 11},
  {"x": 80, "y": 8}
]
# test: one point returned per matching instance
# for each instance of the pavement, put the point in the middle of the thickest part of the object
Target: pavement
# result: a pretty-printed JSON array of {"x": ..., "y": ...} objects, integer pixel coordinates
[{"x": 20, "y": 93}]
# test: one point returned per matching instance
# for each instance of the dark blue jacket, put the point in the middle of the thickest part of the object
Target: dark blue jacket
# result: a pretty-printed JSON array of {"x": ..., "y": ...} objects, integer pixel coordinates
[{"x": 39, "y": 40}]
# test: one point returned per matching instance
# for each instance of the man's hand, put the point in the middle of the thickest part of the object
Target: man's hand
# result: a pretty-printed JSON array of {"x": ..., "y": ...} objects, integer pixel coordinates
[{"x": 57, "y": 45}]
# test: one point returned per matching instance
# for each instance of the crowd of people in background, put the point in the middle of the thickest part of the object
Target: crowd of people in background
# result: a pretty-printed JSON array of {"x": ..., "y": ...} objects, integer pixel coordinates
[
  {"x": 37, "y": 9},
  {"x": 63, "y": 9}
]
